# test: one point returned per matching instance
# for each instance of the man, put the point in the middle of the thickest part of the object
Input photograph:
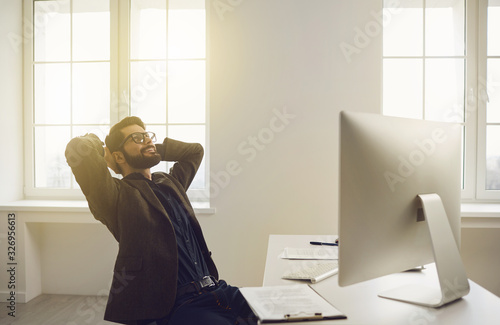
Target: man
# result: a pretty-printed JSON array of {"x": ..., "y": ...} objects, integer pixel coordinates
[{"x": 164, "y": 272}]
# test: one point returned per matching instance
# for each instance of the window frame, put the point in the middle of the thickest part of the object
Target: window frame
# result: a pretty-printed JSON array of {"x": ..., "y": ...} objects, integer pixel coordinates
[
  {"x": 119, "y": 84},
  {"x": 482, "y": 94},
  {"x": 470, "y": 109},
  {"x": 474, "y": 122}
]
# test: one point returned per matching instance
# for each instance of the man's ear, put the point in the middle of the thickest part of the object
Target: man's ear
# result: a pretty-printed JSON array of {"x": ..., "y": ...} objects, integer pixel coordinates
[{"x": 119, "y": 157}]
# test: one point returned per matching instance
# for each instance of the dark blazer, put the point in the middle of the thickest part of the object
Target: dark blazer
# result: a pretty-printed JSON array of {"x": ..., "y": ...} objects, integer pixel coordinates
[{"x": 145, "y": 274}]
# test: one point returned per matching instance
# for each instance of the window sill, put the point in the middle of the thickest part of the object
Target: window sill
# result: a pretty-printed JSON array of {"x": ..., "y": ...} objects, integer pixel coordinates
[
  {"x": 474, "y": 215},
  {"x": 200, "y": 208},
  {"x": 480, "y": 215}
]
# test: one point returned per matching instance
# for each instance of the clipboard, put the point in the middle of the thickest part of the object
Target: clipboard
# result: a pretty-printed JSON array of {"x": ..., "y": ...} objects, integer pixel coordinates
[{"x": 292, "y": 303}]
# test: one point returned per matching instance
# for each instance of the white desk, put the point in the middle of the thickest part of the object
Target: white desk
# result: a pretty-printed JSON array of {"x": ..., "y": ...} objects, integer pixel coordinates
[{"x": 362, "y": 305}]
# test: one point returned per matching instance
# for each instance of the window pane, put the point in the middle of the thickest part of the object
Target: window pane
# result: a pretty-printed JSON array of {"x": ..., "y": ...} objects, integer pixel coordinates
[
  {"x": 403, "y": 35},
  {"x": 186, "y": 4},
  {"x": 148, "y": 28},
  {"x": 91, "y": 30},
  {"x": 445, "y": 27},
  {"x": 191, "y": 133},
  {"x": 161, "y": 133},
  {"x": 492, "y": 157},
  {"x": 187, "y": 133},
  {"x": 186, "y": 29},
  {"x": 462, "y": 155},
  {"x": 100, "y": 130},
  {"x": 186, "y": 92},
  {"x": 402, "y": 87},
  {"x": 51, "y": 169},
  {"x": 52, "y": 93},
  {"x": 52, "y": 31},
  {"x": 444, "y": 88},
  {"x": 91, "y": 93},
  {"x": 148, "y": 91},
  {"x": 159, "y": 130},
  {"x": 494, "y": 27},
  {"x": 493, "y": 89}
]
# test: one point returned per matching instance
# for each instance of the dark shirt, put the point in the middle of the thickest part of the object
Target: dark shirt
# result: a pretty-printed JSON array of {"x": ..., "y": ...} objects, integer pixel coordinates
[{"x": 192, "y": 266}]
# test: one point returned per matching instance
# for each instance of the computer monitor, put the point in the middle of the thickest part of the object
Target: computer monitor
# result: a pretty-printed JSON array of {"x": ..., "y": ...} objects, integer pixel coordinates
[{"x": 400, "y": 187}]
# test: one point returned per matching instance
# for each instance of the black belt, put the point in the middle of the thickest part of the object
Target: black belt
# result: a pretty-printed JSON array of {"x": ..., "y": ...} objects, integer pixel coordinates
[{"x": 197, "y": 286}]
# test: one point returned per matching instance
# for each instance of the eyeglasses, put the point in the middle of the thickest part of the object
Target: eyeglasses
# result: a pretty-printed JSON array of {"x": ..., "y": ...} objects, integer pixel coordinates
[{"x": 139, "y": 137}]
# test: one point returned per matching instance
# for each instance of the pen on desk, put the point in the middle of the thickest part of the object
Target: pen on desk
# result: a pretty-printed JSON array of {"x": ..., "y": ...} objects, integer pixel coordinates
[{"x": 323, "y": 243}]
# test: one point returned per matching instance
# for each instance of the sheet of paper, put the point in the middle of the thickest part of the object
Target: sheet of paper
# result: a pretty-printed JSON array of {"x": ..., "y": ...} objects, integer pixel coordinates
[
  {"x": 311, "y": 253},
  {"x": 294, "y": 302}
]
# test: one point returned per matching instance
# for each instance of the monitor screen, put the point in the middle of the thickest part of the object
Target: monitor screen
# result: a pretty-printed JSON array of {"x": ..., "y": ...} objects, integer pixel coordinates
[{"x": 385, "y": 164}]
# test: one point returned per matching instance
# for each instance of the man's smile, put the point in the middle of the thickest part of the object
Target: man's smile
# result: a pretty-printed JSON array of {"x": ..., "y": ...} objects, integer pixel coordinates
[{"x": 149, "y": 149}]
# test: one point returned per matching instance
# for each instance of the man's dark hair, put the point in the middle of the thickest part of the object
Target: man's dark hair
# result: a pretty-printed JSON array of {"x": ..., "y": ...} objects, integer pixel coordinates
[{"x": 115, "y": 137}]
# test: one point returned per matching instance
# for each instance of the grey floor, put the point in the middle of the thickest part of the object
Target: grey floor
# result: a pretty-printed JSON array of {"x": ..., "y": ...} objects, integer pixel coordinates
[{"x": 57, "y": 310}]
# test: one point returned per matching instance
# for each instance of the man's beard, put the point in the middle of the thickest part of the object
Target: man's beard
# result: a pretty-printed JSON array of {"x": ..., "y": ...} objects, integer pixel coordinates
[{"x": 142, "y": 162}]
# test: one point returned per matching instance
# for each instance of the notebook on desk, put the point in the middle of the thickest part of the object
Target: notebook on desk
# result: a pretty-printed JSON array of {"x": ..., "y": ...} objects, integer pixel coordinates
[{"x": 289, "y": 303}]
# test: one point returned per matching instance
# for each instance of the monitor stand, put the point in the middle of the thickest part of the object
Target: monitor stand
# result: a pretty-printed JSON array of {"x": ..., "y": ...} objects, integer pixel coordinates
[{"x": 453, "y": 282}]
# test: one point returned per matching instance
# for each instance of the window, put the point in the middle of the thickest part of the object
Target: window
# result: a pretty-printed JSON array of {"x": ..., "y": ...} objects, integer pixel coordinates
[
  {"x": 434, "y": 68},
  {"x": 93, "y": 62},
  {"x": 489, "y": 99}
]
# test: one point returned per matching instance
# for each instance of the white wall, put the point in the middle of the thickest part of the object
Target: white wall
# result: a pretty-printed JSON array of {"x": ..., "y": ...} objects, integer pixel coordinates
[
  {"x": 281, "y": 56},
  {"x": 481, "y": 256},
  {"x": 267, "y": 56},
  {"x": 11, "y": 156},
  {"x": 11, "y": 100},
  {"x": 278, "y": 75},
  {"x": 76, "y": 258}
]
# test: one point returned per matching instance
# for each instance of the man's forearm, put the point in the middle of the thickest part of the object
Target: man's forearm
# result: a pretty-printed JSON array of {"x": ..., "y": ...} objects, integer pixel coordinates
[
  {"x": 188, "y": 157},
  {"x": 85, "y": 156}
]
